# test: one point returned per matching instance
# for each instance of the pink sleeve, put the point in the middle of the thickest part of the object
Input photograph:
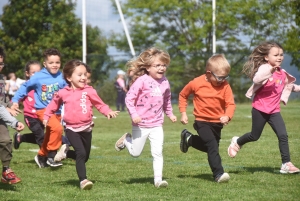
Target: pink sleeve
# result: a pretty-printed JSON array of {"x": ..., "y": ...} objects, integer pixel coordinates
[
  {"x": 131, "y": 97},
  {"x": 263, "y": 73},
  {"x": 53, "y": 106},
  {"x": 167, "y": 102},
  {"x": 98, "y": 103}
]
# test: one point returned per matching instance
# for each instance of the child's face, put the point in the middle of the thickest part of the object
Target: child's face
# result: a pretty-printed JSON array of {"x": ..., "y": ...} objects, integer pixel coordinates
[
  {"x": 88, "y": 78},
  {"x": 157, "y": 69},
  {"x": 275, "y": 56},
  {"x": 216, "y": 79},
  {"x": 52, "y": 64},
  {"x": 78, "y": 77},
  {"x": 33, "y": 68},
  {"x": 1, "y": 63}
]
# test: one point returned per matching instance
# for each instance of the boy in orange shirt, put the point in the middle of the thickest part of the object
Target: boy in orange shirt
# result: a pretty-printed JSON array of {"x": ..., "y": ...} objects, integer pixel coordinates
[{"x": 213, "y": 108}]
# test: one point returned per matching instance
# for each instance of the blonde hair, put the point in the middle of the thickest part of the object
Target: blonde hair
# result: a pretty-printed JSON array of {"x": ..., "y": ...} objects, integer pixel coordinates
[
  {"x": 257, "y": 58},
  {"x": 139, "y": 65},
  {"x": 218, "y": 63}
]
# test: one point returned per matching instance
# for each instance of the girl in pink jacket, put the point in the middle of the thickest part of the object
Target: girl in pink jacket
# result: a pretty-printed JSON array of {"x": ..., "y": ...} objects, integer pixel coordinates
[
  {"x": 78, "y": 99},
  {"x": 148, "y": 98},
  {"x": 271, "y": 85}
]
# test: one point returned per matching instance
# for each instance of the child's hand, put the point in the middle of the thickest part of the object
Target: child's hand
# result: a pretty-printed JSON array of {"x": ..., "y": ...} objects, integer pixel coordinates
[
  {"x": 136, "y": 120},
  {"x": 45, "y": 122},
  {"x": 20, "y": 126},
  {"x": 184, "y": 118},
  {"x": 13, "y": 112},
  {"x": 224, "y": 120},
  {"x": 173, "y": 118},
  {"x": 15, "y": 106},
  {"x": 112, "y": 114}
]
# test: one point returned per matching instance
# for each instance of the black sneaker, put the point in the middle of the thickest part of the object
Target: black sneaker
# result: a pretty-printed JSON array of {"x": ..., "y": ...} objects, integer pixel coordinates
[
  {"x": 16, "y": 142},
  {"x": 52, "y": 163},
  {"x": 184, "y": 146},
  {"x": 41, "y": 161}
]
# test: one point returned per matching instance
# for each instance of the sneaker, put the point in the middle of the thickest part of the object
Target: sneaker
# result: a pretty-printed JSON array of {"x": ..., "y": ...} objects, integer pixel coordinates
[
  {"x": 120, "y": 143},
  {"x": 9, "y": 177},
  {"x": 52, "y": 163},
  {"x": 221, "y": 178},
  {"x": 62, "y": 153},
  {"x": 233, "y": 147},
  {"x": 86, "y": 184},
  {"x": 184, "y": 146},
  {"x": 41, "y": 161},
  {"x": 289, "y": 168},
  {"x": 16, "y": 141},
  {"x": 161, "y": 184}
]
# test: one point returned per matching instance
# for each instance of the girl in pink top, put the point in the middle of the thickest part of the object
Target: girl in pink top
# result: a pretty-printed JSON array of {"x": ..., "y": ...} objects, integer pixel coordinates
[
  {"x": 271, "y": 84},
  {"x": 78, "y": 99},
  {"x": 148, "y": 98}
]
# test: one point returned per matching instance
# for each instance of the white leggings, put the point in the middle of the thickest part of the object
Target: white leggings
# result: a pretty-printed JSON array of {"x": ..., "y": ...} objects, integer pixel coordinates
[{"x": 136, "y": 144}]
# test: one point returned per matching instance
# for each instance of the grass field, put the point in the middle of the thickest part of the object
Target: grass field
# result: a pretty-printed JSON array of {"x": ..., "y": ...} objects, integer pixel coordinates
[{"x": 117, "y": 176}]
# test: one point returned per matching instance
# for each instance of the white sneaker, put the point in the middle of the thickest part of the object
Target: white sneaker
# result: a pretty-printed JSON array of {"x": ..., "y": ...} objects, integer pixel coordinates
[
  {"x": 62, "y": 153},
  {"x": 161, "y": 184},
  {"x": 289, "y": 168},
  {"x": 86, "y": 184},
  {"x": 223, "y": 178},
  {"x": 233, "y": 148},
  {"x": 120, "y": 143}
]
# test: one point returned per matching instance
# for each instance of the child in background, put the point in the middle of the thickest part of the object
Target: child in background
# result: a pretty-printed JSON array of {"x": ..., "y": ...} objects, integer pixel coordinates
[
  {"x": 30, "y": 117},
  {"x": 148, "y": 97},
  {"x": 271, "y": 84},
  {"x": 46, "y": 84},
  {"x": 78, "y": 99},
  {"x": 12, "y": 85},
  {"x": 121, "y": 90},
  {"x": 213, "y": 108},
  {"x": 8, "y": 176}
]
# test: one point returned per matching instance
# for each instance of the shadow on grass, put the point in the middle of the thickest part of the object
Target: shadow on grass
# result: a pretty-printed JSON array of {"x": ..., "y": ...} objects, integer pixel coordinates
[
  {"x": 139, "y": 180},
  {"x": 251, "y": 170},
  {"x": 48, "y": 167},
  {"x": 8, "y": 187},
  {"x": 207, "y": 177}
]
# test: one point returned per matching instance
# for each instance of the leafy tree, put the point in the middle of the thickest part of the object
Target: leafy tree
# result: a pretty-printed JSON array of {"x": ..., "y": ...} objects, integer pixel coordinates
[
  {"x": 29, "y": 27},
  {"x": 184, "y": 29}
]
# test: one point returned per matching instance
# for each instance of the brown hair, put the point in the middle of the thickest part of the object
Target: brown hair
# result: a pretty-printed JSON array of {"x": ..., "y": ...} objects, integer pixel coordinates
[
  {"x": 70, "y": 67},
  {"x": 50, "y": 52},
  {"x": 27, "y": 67},
  {"x": 139, "y": 64},
  {"x": 257, "y": 58}
]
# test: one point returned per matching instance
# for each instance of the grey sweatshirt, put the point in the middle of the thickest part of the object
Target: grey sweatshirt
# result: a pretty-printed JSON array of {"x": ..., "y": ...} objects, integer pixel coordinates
[{"x": 7, "y": 118}]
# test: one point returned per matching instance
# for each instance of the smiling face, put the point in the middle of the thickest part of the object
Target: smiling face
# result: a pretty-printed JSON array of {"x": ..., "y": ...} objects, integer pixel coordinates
[
  {"x": 52, "y": 64},
  {"x": 157, "y": 69},
  {"x": 275, "y": 56},
  {"x": 78, "y": 78}
]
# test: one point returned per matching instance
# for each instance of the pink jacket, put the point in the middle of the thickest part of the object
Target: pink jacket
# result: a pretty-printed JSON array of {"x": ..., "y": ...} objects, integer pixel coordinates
[
  {"x": 78, "y": 104},
  {"x": 149, "y": 99},
  {"x": 262, "y": 76}
]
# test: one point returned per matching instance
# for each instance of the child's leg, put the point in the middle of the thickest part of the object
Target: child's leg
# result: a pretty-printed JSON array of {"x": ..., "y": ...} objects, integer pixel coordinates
[
  {"x": 156, "y": 138},
  {"x": 210, "y": 135},
  {"x": 79, "y": 141},
  {"x": 278, "y": 126},
  {"x": 5, "y": 145},
  {"x": 37, "y": 128},
  {"x": 136, "y": 145},
  {"x": 259, "y": 120}
]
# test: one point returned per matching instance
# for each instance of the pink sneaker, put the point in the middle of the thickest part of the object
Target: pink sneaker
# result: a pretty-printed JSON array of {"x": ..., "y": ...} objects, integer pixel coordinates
[
  {"x": 233, "y": 147},
  {"x": 120, "y": 143},
  {"x": 289, "y": 168}
]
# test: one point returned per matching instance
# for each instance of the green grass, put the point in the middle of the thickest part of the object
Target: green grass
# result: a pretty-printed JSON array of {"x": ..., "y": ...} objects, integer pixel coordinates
[{"x": 117, "y": 176}]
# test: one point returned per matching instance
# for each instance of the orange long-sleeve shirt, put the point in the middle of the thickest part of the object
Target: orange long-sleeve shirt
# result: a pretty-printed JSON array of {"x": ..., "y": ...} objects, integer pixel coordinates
[{"x": 210, "y": 102}]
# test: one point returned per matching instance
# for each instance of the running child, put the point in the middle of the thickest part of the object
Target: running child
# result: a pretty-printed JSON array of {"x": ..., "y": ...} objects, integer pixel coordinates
[
  {"x": 213, "y": 108},
  {"x": 148, "y": 98},
  {"x": 78, "y": 99},
  {"x": 46, "y": 84},
  {"x": 271, "y": 85}
]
